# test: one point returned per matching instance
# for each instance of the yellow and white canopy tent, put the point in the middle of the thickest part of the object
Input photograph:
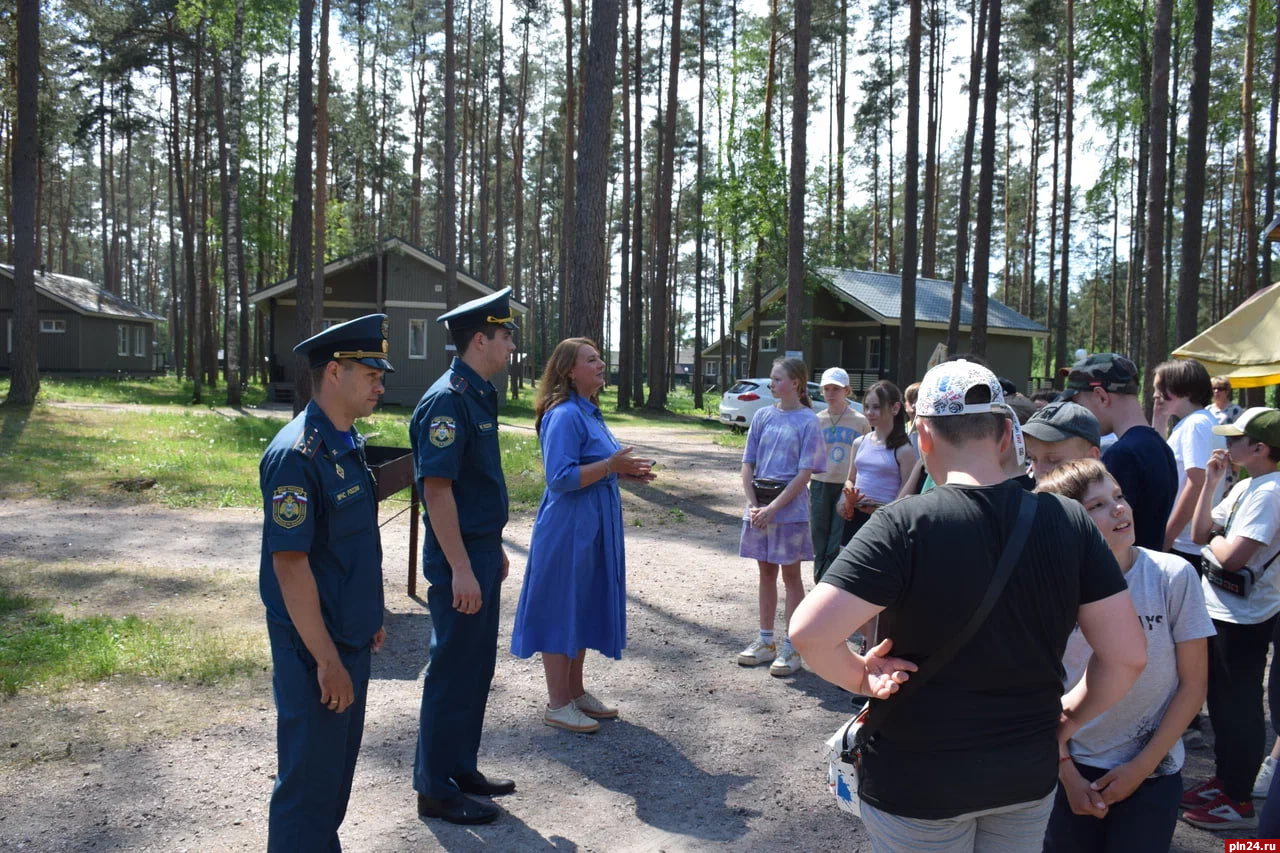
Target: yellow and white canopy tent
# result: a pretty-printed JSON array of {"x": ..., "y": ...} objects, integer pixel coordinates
[{"x": 1243, "y": 346}]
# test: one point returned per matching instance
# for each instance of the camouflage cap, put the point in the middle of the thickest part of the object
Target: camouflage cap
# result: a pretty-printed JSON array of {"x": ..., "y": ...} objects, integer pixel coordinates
[{"x": 1106, "y": 370}]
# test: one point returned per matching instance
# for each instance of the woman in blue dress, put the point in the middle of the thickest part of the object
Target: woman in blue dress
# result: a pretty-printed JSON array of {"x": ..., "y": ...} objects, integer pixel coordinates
[{"x": 574, "y": 593}]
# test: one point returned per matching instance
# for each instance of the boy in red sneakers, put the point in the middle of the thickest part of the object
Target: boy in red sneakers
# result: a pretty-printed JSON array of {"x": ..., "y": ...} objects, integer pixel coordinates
[{"x": 1242, "y": 595}]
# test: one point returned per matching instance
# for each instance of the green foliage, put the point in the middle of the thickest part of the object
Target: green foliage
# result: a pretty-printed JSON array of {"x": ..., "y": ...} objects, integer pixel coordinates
[{"x": 43, "y": 649}]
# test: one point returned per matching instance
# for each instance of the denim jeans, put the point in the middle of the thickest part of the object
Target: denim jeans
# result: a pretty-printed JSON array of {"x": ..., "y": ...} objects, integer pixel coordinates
[{"x": 1144, "y": 821}]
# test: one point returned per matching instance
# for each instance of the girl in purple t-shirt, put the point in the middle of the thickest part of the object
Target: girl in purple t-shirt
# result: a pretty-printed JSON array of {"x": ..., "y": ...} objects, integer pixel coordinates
[{"x": 784, "y": 444}]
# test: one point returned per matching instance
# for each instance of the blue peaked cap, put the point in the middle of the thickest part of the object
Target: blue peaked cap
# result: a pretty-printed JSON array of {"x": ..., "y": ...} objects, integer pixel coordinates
[{"x": 363, "y": 339}]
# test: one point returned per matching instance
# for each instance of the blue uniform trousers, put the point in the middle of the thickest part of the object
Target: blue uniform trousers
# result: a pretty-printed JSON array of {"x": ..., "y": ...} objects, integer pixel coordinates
[
  {"x": 464, "y": 650},
  {"x": 316, "y": 747}
]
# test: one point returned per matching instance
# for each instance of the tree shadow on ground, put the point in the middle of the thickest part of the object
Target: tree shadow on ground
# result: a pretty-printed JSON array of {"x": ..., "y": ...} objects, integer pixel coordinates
[
  {"x": 13, "y": 422},
  {"x": 408, "y": 638},
  {"x": 671, "y": 793},
  {"x": 689, "y": 502}
]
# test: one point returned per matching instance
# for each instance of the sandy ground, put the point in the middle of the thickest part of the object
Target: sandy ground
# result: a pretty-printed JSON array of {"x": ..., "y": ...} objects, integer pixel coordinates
[{"x": 707, "y": 755}]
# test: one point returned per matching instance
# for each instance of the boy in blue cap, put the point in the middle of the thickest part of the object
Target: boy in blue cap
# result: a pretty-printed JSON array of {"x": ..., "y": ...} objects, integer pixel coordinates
[
  {"x": 321, "y": 581},
  {"x": 458, "y": 466}
]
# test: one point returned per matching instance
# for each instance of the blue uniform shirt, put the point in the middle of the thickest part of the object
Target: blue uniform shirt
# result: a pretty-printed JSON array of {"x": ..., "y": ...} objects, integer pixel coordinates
[
  {"x": 454, "y": 435},
  {"x": 318, "y": 498}
]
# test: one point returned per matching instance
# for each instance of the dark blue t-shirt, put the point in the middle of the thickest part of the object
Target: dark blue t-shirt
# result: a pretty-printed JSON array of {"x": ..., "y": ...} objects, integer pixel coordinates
[{"x": 1142, "y": 463}]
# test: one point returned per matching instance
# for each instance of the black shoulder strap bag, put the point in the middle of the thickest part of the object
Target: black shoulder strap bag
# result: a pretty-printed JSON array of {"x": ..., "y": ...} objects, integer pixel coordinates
[{"x": 855, "y": 733}]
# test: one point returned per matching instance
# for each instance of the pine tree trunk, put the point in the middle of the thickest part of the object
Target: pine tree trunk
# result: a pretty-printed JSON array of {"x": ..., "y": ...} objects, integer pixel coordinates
[
  {"x": 237, "y": 348},
  {"x": 1248, "y": 226},
  {"x": 625, "y": 320},
  {"x": 1267, "y": 262},
  {"x": 960, "y": 276},
  {"x": 1060, "y": 352},
  {"x": 448, "y": 216},
  {"x": 567, "y": 167},
  {"x": 499, "y": 215},
  {"x": 190, "y": 322},
  {"x": 1155, "y": 344},
  {"x": 658, "y": 376},
  {"x": 841, "y": 250},
  {"x": 321, "y": 169},
  {"x": 1186, "y": 319},
  {"x": 517, "y": 188},
  {"x": 588, "y": 282},
  {"x": 928, "y": 250},
  {"x": 307, "y": 321},
  {"x": 637, "y": 226},
  {"x": 795, "y": 210},
  {"x": 24, "y": 377},
  {"x": 986, "y": 184},
  {"x": 910, "y": 202},
  {"x": 699, "y": 236}
]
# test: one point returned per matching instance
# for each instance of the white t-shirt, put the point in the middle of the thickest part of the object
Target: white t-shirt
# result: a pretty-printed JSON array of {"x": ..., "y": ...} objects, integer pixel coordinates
[
  {"x": 1192, "y": 442},
  {"x": 1258, "y": 518},
  {"x": 1171, "y": 608}
]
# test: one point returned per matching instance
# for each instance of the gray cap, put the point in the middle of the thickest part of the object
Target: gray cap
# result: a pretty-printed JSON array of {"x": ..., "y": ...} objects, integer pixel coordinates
[{"x": 1062, "y": 420}]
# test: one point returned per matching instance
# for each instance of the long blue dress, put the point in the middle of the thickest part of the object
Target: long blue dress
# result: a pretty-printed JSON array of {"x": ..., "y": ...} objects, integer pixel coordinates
[{"x": 574, "y": 594}]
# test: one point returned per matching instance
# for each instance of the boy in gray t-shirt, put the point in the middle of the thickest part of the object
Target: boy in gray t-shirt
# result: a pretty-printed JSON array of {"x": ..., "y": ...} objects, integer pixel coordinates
[
  {"x": 1120, "y": 773},
  {"x": 1170, "y": 604}
]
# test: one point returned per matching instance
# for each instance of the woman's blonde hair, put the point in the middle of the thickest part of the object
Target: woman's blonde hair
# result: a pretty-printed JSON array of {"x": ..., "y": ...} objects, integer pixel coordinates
[
  {"x": 555, "y": 386},
  {"x": 1074, "y": 479},
  {"x": 795, "y": 369}
]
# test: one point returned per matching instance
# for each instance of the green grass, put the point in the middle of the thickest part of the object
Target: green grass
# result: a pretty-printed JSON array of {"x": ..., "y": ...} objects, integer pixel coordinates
[
  {"x": 731, "y": 439},
  {"x": 196, "y": 459},
  {"x": 40, "y": 648},
  {"x": 201, "y": 458},
  {"x": 152, "y": 391}
]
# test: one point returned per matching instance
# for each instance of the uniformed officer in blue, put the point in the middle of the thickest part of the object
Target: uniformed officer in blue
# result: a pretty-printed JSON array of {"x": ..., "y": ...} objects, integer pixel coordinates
[
  {"x": 454, "y": 434},
  {"x": 321, "y": 581}
]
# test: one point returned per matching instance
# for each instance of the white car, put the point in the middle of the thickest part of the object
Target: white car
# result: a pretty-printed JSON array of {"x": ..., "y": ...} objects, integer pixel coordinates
[{"x": 739, "y": 404}]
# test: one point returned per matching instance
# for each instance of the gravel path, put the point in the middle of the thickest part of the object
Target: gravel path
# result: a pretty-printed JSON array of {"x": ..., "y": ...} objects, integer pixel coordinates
[{"x": 706, "y": 756}]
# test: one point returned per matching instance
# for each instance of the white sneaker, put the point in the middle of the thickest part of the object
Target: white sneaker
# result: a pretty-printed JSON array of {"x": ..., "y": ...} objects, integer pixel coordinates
[
  {"x": 1262, "y": 783},
  {"x": 757, "y": 653},
  {"x": 569, "y": 718},
  {"x": 788, "y": 663}
]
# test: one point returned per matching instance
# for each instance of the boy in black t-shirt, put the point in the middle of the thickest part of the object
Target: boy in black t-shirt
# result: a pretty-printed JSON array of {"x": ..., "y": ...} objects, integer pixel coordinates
[
  {"x": 1140, "y": 460},
  {"x": 973, "y": 753}
]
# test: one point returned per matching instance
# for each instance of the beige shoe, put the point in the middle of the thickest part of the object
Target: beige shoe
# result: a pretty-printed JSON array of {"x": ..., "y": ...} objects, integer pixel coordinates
[
  {"x": 787, "y": 663},
  {"x": 757, "y": 653},
  {"x": 593, "y": 707},
  {"x": 569, "y": 718}
]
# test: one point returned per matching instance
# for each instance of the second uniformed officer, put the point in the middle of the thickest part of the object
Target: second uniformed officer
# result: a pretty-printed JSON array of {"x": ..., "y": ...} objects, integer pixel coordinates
[
  {"x": 454, "y": 435},
  {"x": 321, "y": 581}
]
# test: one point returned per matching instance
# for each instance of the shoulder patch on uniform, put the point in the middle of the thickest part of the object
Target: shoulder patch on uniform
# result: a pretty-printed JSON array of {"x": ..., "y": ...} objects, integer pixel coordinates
[
  {"x": 458, "y": 383},
  {"x": 309, "y": 443},
  {"x": 289, "y": 506},
  {"x": 442, "y": 430}
]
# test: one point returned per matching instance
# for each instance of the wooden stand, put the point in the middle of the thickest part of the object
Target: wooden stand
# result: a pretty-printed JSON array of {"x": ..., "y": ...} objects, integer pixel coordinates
[{"x": 392, "y": 469}]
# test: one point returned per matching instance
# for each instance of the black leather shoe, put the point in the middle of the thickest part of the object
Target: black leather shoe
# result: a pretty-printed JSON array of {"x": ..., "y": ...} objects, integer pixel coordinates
[
  {"x": 458, "y": 809},
  {"x": 477, "y": 783}
]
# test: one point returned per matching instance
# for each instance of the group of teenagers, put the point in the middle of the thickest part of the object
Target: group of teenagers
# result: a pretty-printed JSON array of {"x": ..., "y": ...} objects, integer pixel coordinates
[{"x": 1195, "y": 487}]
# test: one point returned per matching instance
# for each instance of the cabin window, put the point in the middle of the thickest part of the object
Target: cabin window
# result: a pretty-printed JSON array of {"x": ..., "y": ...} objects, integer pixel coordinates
[
  {"x": 417, "y": 338},
  {"x": 140, "y": 341},
  {"x": 122, "y": 340},
  {"x": 53, "y": 327}
]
